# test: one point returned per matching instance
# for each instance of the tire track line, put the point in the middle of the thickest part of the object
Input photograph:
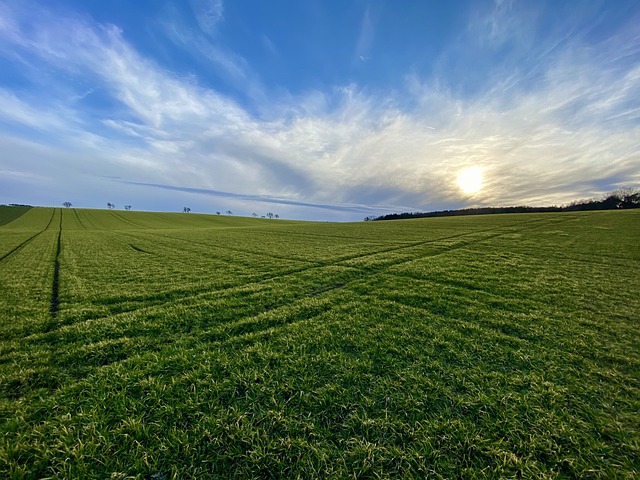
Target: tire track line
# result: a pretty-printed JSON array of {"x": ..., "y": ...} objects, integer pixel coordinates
[
  {"x": 78, "y": 218},
  {"x": 245, "y": 328},
  {"x": 15, "y": 249},
  {"x": 365, "y": 273},
  {"x": 126, "y": 220},
  {"x": 235, "y": 249},
  {"x": 55, "y": 287}
]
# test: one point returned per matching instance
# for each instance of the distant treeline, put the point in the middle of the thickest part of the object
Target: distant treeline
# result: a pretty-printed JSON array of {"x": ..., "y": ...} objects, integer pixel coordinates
[{"x": 620, "y": 199}]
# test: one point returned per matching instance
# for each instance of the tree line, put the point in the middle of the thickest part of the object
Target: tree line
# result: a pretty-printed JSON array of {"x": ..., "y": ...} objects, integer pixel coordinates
[
  {"x": 622, "y": 198},
  {"x": 111, "y": 206}
]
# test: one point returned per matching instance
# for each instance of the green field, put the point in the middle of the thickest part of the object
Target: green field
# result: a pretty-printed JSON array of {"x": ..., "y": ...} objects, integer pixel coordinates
[{"x": 176, "y": 346}]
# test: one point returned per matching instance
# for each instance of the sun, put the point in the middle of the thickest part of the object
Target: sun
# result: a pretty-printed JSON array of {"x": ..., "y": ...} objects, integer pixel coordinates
[{"x": 470, "y": 180}]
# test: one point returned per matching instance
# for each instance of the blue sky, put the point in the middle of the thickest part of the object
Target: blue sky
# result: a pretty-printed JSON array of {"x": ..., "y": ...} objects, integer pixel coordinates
[{"x": 321, "y": 110}]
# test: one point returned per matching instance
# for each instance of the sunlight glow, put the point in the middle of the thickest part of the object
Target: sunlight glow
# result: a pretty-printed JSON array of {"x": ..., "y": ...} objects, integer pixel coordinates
[{"x": 470, "y": 180}]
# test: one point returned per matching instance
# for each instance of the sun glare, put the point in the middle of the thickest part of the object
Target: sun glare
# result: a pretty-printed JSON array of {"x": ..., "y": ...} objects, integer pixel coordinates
[{"x": 470, "y": 180}]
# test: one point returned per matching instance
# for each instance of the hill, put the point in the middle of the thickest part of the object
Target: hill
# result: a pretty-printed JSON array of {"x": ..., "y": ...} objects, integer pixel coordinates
[{"x": 144, "y": 345}]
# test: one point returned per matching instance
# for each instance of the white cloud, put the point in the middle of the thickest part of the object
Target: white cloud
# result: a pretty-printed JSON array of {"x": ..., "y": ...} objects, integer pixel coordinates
[
  {"x": 208, "y": 13},
  {"x": 211, "y": 53},
  {"x": 269, "y": 46},
  {"x": 507, "y": 23},
  {"x": 15, "y": 110},
  {"x": 366, "y": 35}
]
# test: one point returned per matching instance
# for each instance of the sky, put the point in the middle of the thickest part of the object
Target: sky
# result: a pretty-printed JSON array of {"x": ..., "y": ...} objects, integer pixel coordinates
[{"x": 317, "y": 109}]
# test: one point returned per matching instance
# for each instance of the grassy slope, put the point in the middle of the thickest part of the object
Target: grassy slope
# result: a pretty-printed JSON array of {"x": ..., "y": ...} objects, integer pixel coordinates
[
  {"x": 9, "y": 214},
  {"x": 192, "y": 346}
]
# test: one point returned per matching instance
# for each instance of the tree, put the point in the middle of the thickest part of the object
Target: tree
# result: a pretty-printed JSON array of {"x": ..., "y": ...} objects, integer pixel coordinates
[
  {"x": 217, "y": 213},
  {"x": 269, "y": 215},
  {"x": 629, "y": 197},
  {"x": 186, "y": 209},
  {"x": 276, "y": 216},
  {"x": 67, "y": 204},
  {"x": 127, "y": 207},
  {"x": 229, "y": 212},
  {"x": 254, "y": 214},
  {"x": 110, "y": 205}
]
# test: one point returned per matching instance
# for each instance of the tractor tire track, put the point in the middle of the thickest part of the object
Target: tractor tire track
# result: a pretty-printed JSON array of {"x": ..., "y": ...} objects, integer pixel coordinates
[
  {"x": 235, "y": 249},
  {"x": 55, "y": 287},
  {"x": 120, "y": 217},
  {"x": 18, "y": 247},
  {"x": 252, "y": 325},
  {"x": 79, "y": 221},
  {"x": 364, "y": 273},
  {"x": 244, "y": 331}
]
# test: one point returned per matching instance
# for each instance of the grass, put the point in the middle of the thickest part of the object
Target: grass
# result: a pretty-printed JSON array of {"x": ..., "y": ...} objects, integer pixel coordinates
[
  {"x": 9, "y": 214},
  {"x": 194, "y": 346}
]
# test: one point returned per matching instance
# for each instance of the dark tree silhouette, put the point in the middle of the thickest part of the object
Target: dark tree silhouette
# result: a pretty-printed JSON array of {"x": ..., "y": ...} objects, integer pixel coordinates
[
  {"x": 269, "y": 215},
  {"x": 229, "y": 212},
  {"x": 127, "y": 207},
  {"x": 254, "y": 214},
  {"x": 217, "y": 213},
  {"x": 67, "y": 204},
  {"x": 625, "y": 197},
  {"x": 110, "y": 205},
  {"x": 186, "y": 209},
  {"x": 276, "y": 216},
  {"x": 629, "y": 197}
]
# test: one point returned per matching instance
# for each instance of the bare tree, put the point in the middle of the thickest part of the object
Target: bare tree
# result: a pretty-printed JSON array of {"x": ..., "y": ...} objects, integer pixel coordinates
[{"x": 67, "y": 204}]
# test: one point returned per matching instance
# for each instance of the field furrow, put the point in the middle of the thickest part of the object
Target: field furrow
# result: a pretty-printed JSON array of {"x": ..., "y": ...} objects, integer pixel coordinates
[
  {"x": 26, "y": 278},
  {"x": 129, "y": 301},
  {"x": 15, "y": 236}
]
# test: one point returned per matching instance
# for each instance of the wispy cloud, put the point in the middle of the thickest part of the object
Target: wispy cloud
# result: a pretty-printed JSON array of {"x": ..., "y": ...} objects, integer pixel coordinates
[
  {"x": 208, "y": 13},
  {"x": 17, "y": 111},
  {"x": 352, "y": 208},
  {"x": 366, "y": 35},
  {"x": 506, "y": 24},
  {"x": 269, "y": 46},
  {"x": 207, "y": 49}
]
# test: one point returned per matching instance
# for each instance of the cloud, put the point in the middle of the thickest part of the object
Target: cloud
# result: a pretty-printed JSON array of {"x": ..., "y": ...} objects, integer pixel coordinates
[
  {"x": 502, "y": 25},
  {"x": 358, "y": 209},
  {"x": 210, "y": 52},
  {"x": 208, "y": 13},
  {"x": 269, "y": 46},
  {"x": 17, "y": 111},
  {"x": 565, "y": 131},
  {"x": 366, "y": 35}
]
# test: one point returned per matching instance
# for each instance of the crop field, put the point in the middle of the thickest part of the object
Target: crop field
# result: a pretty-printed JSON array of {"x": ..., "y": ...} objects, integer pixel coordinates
[{"x": 179, "y": 346}]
